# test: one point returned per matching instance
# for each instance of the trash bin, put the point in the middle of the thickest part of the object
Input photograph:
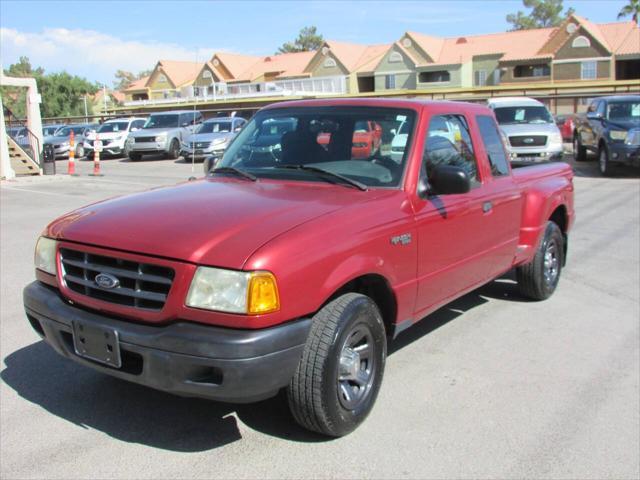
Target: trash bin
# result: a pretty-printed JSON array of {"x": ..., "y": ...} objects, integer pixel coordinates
[{"x": 48, "y": 159}]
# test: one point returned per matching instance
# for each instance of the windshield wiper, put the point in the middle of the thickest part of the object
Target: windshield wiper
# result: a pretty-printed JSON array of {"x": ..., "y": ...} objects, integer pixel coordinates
[
  {"x": 308, "y": 168},
  {"x": 235, "y": 171}
]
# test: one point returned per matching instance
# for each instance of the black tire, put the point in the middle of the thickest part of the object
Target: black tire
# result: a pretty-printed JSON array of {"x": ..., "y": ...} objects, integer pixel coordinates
[
  {"x": 322, "y": 397},
  {"x": 174, "y": 150},
  {"x": 579, "y": 152},
  {"x": 539, "y": 278},
  {"x": 604, "y": 165},
  {"x": 134, "y": 157}
]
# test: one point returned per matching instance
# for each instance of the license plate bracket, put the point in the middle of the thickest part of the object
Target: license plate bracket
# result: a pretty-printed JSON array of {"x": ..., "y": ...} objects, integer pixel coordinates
[{"x": 100, "y": 344}]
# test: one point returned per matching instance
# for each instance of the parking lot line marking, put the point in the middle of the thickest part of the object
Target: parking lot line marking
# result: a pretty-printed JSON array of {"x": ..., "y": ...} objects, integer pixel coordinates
[{"x": 37, "y": 191}]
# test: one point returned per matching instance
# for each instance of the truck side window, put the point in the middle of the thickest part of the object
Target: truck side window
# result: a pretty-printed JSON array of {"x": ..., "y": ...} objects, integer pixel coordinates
[
  {"x": 602, "y": 107},
  {"x": 449, "y": 142},
  {"x": 493, "y": 145}
]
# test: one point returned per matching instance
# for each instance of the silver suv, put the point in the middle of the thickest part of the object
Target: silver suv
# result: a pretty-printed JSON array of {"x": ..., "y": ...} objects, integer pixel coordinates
[{"x": 162, "y": 133}]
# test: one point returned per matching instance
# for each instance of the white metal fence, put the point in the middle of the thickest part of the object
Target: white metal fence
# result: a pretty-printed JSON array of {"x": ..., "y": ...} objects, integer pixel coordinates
[{"x": 223, "y": 92}]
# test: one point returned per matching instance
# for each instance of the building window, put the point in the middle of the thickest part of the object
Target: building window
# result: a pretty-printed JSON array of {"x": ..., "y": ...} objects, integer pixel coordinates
[
  {"x": 589, "y": 70},
  {"x": 439, "y": 76},
  {"x": 480, "y": 78},
  {"x": 406, "y": 42},
  {"x": 162, "y": 78},
  {"x": 580, "y": 42},
  {"x": 389, "y": 82},
  {"x": 207, "y": 74},
  {"x": 329, "y": 63},
  {"x": 531, "y": 71},
  {"x": 395, "y": 57}
]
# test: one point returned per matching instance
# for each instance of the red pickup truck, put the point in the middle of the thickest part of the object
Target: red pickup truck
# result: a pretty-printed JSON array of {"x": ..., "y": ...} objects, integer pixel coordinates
[
  {"x": 293, "y": 270},
  {"x": 367, "y": 138}
]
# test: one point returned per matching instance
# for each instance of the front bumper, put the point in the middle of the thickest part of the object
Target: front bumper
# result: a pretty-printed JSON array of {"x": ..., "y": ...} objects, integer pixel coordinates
[
  {"x": 201, "y": 153},
  {"x": 625, "y": 154},
  {"x": 113, "y": 149},
  {"x": 539, "y": 154},
  {"x": 147, "y": 147},
  {"x": 182, "y": 358}
]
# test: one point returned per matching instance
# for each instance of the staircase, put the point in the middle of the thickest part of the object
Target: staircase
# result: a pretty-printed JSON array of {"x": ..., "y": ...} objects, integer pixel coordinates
[
  {"x": 24, "y": 147},
  {"x": 21, "y": 162}
]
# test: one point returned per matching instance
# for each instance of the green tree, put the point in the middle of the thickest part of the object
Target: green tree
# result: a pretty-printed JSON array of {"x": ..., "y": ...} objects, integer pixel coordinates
[
  {"x": 632, "y": 8},
  {"x": 544, "y": 13},
  {"x": 62, "y": 94},
  {"x": 308, "y": 39},
  {"x": 124, "y": 78}
]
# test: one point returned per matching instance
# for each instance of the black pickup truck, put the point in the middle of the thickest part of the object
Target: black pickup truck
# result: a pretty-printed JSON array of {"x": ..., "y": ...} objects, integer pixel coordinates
[{"x": 611, "y": 129}]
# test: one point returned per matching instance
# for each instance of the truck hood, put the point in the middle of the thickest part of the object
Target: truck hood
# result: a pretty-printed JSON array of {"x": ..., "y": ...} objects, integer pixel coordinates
[
  {"x": 214, "y": 221},
  {"x": 623, "y": 124},
  {"x": 529, "y": 129}
]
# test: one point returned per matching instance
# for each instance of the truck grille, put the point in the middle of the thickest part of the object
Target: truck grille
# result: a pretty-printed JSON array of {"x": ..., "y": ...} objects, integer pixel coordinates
[
  {"x": 200, "y": 144},
  {"x": 145, "y": 139},
  {"x": 140, "y": 285},
  {"x": 528, "y": 140}
]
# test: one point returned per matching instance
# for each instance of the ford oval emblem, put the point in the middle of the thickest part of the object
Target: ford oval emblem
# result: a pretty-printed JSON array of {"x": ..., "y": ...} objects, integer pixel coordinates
[
  {"x": 528, "y": 140},
  {"x": 105, "y": 280}
]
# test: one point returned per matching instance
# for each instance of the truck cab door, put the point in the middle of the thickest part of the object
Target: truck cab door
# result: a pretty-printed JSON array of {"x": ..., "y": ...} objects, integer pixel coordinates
[{"x": 451, "y": 239}]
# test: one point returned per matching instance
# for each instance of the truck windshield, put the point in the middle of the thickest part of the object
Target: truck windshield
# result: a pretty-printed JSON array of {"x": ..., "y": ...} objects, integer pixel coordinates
[
  {"x": 214, "y": 127},
  {"x": 623, "y": 111},
  {"x": 354, "y": 142},
  {"x": 162, "y": 121},
  {"x": 533, "y": 114},
  {"x": 113, "y": 127}
]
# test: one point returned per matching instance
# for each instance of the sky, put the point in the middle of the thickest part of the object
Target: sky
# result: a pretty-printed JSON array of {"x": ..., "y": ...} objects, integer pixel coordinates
[{"x": 93, "y": 38}]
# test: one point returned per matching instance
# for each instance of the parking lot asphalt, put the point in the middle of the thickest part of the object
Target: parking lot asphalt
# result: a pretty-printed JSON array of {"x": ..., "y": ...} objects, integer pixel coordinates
[{"x": 491, "y": 386}]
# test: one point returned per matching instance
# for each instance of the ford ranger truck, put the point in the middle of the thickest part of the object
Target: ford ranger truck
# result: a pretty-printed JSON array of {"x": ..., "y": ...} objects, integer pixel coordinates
[
  {"x": 293, "y": 268},
  {"x": 610, "y": 129}
]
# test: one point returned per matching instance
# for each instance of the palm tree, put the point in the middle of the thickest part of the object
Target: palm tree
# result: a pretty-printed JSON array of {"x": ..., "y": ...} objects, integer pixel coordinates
[{"x": 633, "y": 9}]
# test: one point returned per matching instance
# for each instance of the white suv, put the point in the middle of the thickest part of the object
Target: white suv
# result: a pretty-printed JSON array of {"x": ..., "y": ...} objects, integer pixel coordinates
[{"x": 113, "y": 135}]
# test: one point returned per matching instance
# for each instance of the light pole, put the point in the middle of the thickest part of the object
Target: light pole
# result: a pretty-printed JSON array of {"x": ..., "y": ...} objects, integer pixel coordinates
[{"x": 86, "y": 120}]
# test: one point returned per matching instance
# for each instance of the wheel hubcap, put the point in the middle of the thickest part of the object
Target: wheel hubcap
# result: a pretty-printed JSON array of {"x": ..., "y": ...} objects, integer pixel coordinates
[
  {"x": 356, "y": 371},
  {"x": 551, "y": 264}
]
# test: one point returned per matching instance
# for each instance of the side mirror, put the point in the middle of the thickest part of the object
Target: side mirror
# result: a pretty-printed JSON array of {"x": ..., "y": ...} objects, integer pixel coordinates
[
  {"x": 594, "y": 116},
  {"x": 448, "y": 180},
  {"x": 135, "y": 129}
]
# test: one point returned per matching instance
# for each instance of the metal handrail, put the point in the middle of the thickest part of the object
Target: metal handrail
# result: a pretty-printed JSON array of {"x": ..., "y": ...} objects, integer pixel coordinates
[{"x": 24, "y": 137}]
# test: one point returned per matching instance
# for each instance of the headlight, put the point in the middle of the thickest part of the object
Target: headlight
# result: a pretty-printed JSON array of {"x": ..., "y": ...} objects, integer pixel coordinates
[
  {"x": 555, "y": 138},
  {"x": 219, "y": 141},
  {"x": 618, "y": 135},
  {"x": 161, "y": 138},
  {"x": 633, "y": 137},
  {"x": 233, "y": 291},
  {"x": 45, "y": 256},
  {"x": 65, "y": 144}
]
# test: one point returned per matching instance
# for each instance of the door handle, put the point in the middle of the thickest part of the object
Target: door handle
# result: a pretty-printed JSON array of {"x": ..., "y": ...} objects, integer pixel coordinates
[{"x": 487, "y": 207}]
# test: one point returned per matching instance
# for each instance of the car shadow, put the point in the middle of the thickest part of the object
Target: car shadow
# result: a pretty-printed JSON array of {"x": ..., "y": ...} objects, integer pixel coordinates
[
  {"x": 137, "y": 414},
  {"x": 145, "y": 158}
]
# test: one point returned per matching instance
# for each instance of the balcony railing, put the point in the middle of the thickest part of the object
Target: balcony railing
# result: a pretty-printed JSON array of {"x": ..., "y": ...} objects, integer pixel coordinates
[{"x": 316, "y": 86}]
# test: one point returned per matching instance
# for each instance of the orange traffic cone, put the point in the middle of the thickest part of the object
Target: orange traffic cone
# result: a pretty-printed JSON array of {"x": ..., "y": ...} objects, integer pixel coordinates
[
  {"x": 71, "y": 166},
  {"x": 97, "y": 146}
]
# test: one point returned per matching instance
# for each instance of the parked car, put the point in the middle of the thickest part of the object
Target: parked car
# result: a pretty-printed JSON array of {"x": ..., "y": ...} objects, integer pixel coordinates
[
  {"x": 50, "y": 130},
  {"x": 532, "y": 135},
  {"x": 211, "y": 138},
  {"x": 113, "y": 135},
  {"x": 611, "y": 129},
  {"x": 367, "y": 137},
  {"x": 17, "y": 132},
  {"x": 294, "y": 273},
  {"x": 60, "y": 140},
  {"x": 162, "y": 133},
  {"x": 566, "y": 124}
]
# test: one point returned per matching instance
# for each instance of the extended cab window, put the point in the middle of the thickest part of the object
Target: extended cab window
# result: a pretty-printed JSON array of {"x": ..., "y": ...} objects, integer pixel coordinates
[
  {"x": 493, "y": 145},
  {"x": 354, "y": 142},
  {"x": 448, "y": 142}
]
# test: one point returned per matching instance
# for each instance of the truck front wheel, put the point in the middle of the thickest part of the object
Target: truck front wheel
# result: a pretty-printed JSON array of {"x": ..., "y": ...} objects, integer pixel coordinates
[
  {"x": 539, "y": 278},
  {"x": 604, "y": 165},
  {"x": 337, "y": 380}
]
